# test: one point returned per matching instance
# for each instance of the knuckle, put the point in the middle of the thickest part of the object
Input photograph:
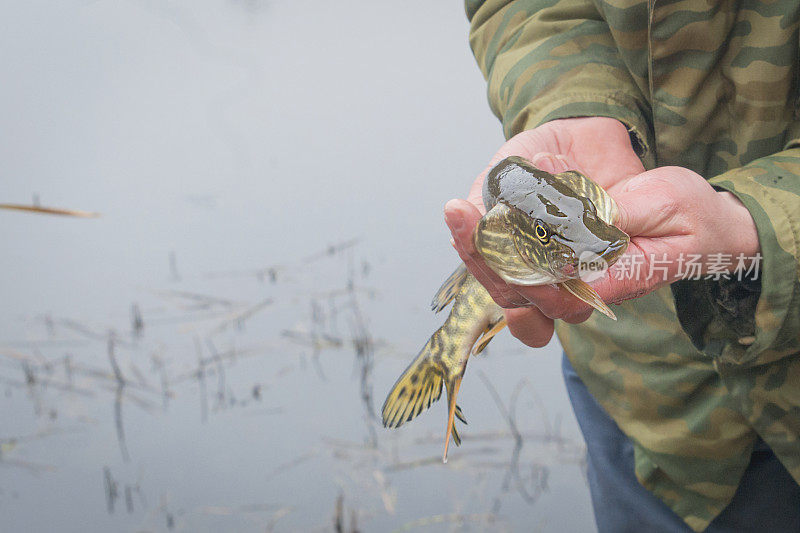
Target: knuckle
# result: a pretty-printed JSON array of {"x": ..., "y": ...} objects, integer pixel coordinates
[{"x": 669, "y": 206}]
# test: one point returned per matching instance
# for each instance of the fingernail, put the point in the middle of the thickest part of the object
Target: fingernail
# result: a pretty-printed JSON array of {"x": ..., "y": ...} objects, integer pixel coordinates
[
  {"x": 452, "y": 242},
  {"x": 545, "y": 161}
]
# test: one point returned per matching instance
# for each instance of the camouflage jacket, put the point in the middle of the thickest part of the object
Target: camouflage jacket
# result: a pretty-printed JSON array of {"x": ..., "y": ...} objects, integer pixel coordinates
[{"x": 711, "y": 86}]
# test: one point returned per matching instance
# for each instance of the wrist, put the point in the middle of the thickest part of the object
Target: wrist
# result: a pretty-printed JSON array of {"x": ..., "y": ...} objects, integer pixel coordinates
[{"x": 740, "y": 226}]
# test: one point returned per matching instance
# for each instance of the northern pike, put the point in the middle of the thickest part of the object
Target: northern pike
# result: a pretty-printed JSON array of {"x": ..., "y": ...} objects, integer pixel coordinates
[{"x": 539, "y": 229}]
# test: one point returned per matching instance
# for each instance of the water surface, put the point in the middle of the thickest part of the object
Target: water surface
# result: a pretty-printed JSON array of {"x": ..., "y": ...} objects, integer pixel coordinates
[{"x": 212, "y": 353}]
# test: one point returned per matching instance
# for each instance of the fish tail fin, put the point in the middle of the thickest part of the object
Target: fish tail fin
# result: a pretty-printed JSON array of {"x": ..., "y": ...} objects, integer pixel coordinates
[
  {"x": 449, "y": 288},
  {"x": 415, "y": 390},
  {"x": 453, "y": 411}
]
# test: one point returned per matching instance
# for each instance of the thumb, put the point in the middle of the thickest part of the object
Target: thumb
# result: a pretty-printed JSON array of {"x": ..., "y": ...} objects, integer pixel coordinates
[
  {"x": 642, "y": 205},
  {"x": 630, "y": 216},
  {"x": 462, "y": 217},
  {"x": 552, "y": 163}
]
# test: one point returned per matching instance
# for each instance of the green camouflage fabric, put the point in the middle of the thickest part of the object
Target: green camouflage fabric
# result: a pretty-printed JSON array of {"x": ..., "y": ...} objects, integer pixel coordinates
[{"x": 711, "y": 86}]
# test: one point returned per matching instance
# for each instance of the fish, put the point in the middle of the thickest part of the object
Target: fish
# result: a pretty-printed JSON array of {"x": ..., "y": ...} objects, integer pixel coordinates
[{"x": 539, "y": 229}]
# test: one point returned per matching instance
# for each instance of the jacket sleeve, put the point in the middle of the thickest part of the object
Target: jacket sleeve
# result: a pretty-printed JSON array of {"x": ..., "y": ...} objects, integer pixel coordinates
[
  {"x": 545, "y": 60},
  {"x": 551, "y": 59},
  {"x": 738, "y": 333}
]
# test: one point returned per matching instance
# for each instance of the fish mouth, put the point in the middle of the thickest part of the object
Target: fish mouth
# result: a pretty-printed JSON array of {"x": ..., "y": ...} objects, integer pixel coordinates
[
  {"x": 589, "y": 264},
  {"x": 615, "y": 250},
  {"x": 593, "y": 265}
]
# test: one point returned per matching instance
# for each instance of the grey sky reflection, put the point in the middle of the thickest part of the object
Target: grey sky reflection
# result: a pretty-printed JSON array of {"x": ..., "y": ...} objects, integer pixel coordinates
[{"x": 228, "y": 145}]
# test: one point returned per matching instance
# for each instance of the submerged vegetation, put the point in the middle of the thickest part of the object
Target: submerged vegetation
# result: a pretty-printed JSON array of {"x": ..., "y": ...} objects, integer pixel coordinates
[
  {"x": 35, "y": 207},
  {"x": 190, "y": 346}
]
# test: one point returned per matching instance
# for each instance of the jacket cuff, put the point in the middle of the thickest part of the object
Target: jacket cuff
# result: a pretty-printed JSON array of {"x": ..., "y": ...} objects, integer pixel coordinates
[
  {"x": 770, "y": 189},
  {"x": 617, "y": 105}
]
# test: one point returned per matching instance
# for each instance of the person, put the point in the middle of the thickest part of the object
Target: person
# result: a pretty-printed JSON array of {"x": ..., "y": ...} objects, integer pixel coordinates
[{"x": 688, "y": 114}]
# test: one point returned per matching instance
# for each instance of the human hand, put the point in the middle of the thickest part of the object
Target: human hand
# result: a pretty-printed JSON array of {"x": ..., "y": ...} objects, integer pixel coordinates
[
  {"x": 669, "y": 212},
  {"x": 597, "y": 146}
]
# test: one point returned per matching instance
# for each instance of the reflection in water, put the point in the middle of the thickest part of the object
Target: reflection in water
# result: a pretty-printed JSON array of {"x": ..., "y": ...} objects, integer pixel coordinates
[
  {"x": 112, "y": 492},
  {"x": 369, "y": 465},
  {"x": 123, "y": 448},
  {"x": 208, "y": 354}
]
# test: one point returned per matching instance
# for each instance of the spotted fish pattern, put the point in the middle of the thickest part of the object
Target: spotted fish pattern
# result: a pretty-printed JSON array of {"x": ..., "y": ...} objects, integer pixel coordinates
[
  {"x": 535, "y": 226},
  {"x": 443, "y": 359},
  {"x": 713, "y": 87}
]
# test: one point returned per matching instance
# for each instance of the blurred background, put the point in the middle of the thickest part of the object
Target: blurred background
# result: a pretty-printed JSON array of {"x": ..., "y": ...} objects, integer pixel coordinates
[{"x": 212, "y": 352}]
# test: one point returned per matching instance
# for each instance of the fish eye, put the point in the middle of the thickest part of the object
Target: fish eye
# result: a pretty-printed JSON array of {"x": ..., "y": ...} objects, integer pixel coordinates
[{"x": 542, "y": 233}]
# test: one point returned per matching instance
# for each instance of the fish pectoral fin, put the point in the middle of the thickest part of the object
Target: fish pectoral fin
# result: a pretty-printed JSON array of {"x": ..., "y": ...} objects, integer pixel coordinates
[
  {"x": 488, "y": 335},
  {"x": 416, "y": 389},
  {"x": 449, "y": 288},
  {"x": 452, "y": 393},
  {"x": 583, "y": 291}
]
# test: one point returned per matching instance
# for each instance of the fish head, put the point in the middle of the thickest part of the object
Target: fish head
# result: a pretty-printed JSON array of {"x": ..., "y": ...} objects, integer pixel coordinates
[
  {"x": 567, "y": 246},
  {"x": 552, "y": 222}
]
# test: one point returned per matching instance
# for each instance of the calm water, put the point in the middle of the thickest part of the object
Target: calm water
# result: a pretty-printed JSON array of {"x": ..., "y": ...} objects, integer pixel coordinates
[{"x": 270, "y": 176}]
